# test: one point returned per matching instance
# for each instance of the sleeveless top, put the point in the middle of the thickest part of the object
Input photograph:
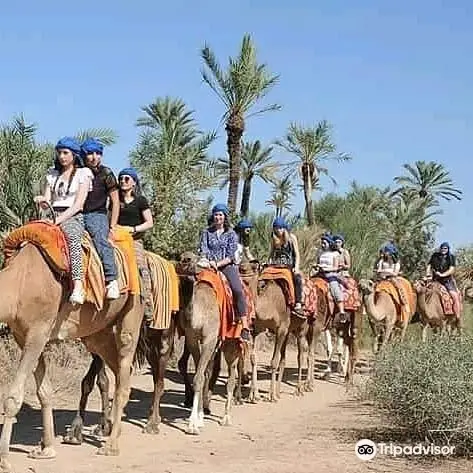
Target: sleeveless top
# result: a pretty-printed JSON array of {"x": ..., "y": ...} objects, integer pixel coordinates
[{"x": 284, "y": 255}]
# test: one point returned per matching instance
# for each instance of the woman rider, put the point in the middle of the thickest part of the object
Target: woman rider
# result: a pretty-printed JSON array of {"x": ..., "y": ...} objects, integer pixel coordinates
[
  {"x": 219, "y": 244},
  {"x": 284, "y": 251},
  {"x": 68, "y": 185},
  {"x": 135, "y": 217},
  {"x": 345, "y": 258}
]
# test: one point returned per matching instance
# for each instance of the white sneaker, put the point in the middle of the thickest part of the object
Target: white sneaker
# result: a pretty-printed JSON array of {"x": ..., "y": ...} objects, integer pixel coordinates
[
  {"x": 113, "y": 291},
  {"x": 77, "y": 296}
]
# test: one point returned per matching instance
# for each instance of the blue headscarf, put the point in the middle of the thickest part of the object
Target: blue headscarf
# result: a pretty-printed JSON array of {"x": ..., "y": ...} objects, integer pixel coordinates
[
  {"x": 338, "y": 237},
  {"x": 71, "y": 144},
  {"x": 390, "y": 249},
  {"x": 328, "y": 238},
  {"x": 129, "y": 172},
  {"x": 243, "y": 224},
  {"x": 445, "y": 244},
  {"x": 91, "y": 145},
  {"x": 279, "y": 222},
  {"x": 220, "y": 208}
]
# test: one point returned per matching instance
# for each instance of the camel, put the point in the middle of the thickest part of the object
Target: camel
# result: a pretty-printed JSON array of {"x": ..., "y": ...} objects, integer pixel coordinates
[
  {"x": 431, "y": 311},
  {"x": 383, "y": 314},
  {"x": 200, "y": 321},
  {"x": 35, "y": 308},
  {"x": 273, "y": 314}
]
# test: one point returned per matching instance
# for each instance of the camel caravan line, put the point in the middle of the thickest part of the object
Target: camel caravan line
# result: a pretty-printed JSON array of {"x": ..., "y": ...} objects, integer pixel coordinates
[{"x": 190, "y": 300}]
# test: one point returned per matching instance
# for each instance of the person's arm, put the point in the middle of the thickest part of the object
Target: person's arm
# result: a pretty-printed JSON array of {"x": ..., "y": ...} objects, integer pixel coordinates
[
  {"x": 146, "y": 214},
  {"x": 232, "y": 246},
  {"x": 46, "y": 195},
  {"x": 297, "y": 255},
  {"x": 346, "y": 260},
  {"x": 111, "y": 184},
  {"x": 203, "y": 245},
  {"x": 451, "y": 270},
  {"x": 79, "y": 201},
  {"x": 396, "y": 269}
]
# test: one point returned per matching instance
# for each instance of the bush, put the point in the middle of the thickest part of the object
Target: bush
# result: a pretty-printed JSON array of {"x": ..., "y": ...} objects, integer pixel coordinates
[{"x": 427, "y": 390}]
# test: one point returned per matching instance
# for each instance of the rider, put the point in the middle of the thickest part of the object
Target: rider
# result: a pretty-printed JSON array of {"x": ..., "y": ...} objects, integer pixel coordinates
[
  {"x": 218, "y": 244},
  {"x": 243, "y": 230},
  {"x": 68, "y": 184},
  {"x": 389, "y": 267},
  {"x": 441, "y": 268},
  {"x": 328, "y": 265},
  {"x": 345, "y": 258},
  {"x": 104, "y": 185},
  {"x": 135, "y": 216},
  {"x": 284, "y": 251}
]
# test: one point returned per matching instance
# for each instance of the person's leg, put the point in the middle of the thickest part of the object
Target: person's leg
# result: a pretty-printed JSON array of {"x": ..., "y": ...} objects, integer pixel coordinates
[
  {"x": 146, "y": 290},
  {"x": 337, "y": 293},
  {"x": 96, "y": 224},
  {"x": 73, "y": 229},
  {"x": 299, "y": 291},
  {"x": 454, "y": 294},
  {"x": 233, "y": 276},
  {"x": 400, "y": 290}
]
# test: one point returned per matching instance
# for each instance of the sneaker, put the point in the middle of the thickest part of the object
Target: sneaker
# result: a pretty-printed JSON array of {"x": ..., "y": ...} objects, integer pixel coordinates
[
  {"x": 113, "y": 291},
  {"x": 77, "y": 296},
  {"x": 343, "y": 318}
]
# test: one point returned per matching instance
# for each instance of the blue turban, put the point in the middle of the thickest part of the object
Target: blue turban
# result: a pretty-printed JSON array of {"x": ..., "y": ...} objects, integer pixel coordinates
[
  {"x": 445, "y": 245},
  {"x": 338, "y": 237},
  {"x": 91, "y": 145},
  {"x": 243, "y": 224},
  {"x": 328, "y": 238},
  {"x": 220, "y": 208},
  {"x": 390, "y": 249},
  {"x": 68, "y": 143},
  {"x": 129, "y": 172},
  {"x": 279, "y": 222}
]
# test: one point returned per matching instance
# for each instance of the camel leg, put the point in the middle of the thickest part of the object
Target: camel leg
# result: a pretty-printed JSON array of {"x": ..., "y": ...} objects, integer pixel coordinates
[
  {"x": 302, "y": 349},
  {"x": 311, "y": 338},
  {"x": 231, "y": 353},
  {"x": 201, "y": 358},
  {"x": 329, "y": 351},
  {"x": 183, "y": 366},
  {"x": 282, "y": 366},
  {"x": 158, "y": 357},
  {"x": 44, "y": 392},
  {"x": 33, "y": 347},
  {"x": 128, "y": 330},
  {"x": 254, "y": 393},
  {"x": 239, "y": 382},
  {"x": 211, "y": 378},
  {"x": 425, "y": 328}
]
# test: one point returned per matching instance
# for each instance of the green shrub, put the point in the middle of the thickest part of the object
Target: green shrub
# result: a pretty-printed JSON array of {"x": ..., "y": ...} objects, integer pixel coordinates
[{"x": 427, "y": 390}]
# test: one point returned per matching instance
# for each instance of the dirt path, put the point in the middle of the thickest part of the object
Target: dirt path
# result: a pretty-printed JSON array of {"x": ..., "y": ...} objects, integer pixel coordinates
[{"x": 294, "y": 435}]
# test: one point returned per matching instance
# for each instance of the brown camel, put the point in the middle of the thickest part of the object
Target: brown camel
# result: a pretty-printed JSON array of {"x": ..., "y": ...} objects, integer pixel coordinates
[
  {"x": 36, "y": 309},
  {"x": 199, "y": 318},
  {"x": 273, "y": 314},
  {"x": 430, "y": 308},
  {"x": 383, "y": 314}
]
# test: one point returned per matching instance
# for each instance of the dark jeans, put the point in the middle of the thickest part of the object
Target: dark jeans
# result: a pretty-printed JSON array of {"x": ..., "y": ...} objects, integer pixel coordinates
[
  {"x": 233, "y": 275},
  {"x": 298, "y": 287},
  {"x": 96, "y": 224},
  {"x": 449, "y": 284}
]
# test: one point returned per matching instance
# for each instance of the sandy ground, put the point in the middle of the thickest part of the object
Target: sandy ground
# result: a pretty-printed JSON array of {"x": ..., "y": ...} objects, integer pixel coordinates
[{"x": 313, "y": 433}]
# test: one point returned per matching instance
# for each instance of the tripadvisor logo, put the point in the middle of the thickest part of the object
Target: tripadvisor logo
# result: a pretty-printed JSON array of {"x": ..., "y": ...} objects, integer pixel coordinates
[{"x": 366, "y": 449}]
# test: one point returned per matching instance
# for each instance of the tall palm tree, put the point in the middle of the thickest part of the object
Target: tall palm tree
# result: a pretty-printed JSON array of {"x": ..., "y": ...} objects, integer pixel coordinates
[
  {"x": 282, "y": 192},
  {"x": 428, "y": 181},
  {"x": 240, "y": 87},
  {"x": 312, "y": 146},
  {"x": 256, "y": 162}
]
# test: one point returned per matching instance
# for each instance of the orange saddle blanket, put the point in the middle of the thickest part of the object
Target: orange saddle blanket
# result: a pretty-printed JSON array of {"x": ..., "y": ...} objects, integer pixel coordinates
[
  {"x": 223, "y": 292},
  {"x": 285, "y": 278},
  {"x": 387, "y": 286},
  {"x": 352, "y": 298},
  {"x": 51, "y": 240}
]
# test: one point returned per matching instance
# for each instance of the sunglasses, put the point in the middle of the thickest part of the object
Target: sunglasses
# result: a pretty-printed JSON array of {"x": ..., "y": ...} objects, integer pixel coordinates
[{"x": 125, "y": 178}]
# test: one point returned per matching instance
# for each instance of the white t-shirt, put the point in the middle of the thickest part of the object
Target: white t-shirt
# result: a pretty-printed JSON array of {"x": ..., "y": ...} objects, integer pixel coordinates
[
  {"x": 58, "y": 186},
  {"x": 238, "y": 254},
  {"x": 328, "y": 260}
]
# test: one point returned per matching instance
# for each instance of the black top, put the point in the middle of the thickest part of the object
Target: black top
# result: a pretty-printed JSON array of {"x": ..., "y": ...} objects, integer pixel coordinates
[
  {"x": 285, "y": 255},
  {"x": 441, "y": 263},
  {"x": 131, "y": 213},
  {"x": 103, "y": 184}
]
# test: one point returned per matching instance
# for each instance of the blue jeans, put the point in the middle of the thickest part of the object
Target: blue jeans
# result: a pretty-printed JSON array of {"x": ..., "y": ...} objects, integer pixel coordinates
[
  {"x": 96, "y": 224},
  {"x": 233, "y": 275}
]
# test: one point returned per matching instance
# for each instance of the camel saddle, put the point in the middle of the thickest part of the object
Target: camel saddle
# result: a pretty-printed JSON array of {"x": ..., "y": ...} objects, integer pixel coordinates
[
  {"x": 283, "y": 276},
  {"x": 51, "y": 241},
  {"x": 445, "y": 297},
  {"x": 388, "y": 287}
]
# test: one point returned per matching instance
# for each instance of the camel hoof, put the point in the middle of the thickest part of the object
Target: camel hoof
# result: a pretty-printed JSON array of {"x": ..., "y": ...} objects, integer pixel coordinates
[
  {"x": 298, "y": 392},
  {"x": 309, "y": 387},
  {"x": 226, "y": 421},
  {"x": 207, "y": 411},
  {"x": 103, "y": 430},
  {"x": 70, "y": 439},
  {"x": 40, "y": 453},
  {"x": 253, "y": 397},
  {"x": 193, "y": 430},
  {"x": 108, "y": 451},
  {"x": 5, "y": 466},
  {"x": 151, "y": 428}
]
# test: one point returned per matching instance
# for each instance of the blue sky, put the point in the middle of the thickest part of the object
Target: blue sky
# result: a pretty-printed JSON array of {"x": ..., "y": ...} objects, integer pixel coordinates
[{"x": 394, "y": 78}]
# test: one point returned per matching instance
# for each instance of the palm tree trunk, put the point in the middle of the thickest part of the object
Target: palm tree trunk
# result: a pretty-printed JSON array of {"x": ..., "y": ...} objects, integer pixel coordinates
[
  {"x": 307, "y": 181},
  {"x": 245, "y": 198},
  {"x": 234, "y": 129}
]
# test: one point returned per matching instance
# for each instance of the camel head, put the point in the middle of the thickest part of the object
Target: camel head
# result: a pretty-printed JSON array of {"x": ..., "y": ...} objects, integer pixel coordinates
[
  {"x": 420, "y": 286},
  {"x": 366, "y": 286},
  {"x": 468, "y": 292},
  {"x": 187, "y": 266}
]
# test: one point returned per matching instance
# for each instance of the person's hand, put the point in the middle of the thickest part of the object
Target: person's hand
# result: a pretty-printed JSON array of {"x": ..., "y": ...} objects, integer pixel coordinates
[
  {"x": 48, "y": 220},
  {"x": 128, "y": 229},
  {"x": 213, "y": 264}
]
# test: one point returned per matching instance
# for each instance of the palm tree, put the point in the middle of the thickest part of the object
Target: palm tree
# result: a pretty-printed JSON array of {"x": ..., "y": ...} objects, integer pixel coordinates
[
  {"x": 106, "y": 136},
  {"x": 312, "y": 146},
  {"x": 256, "y": 162},
  {"x": 428, "y": 181},
  {"x": 240, "y": 88},
  {"x": 282, "y": 192}
]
